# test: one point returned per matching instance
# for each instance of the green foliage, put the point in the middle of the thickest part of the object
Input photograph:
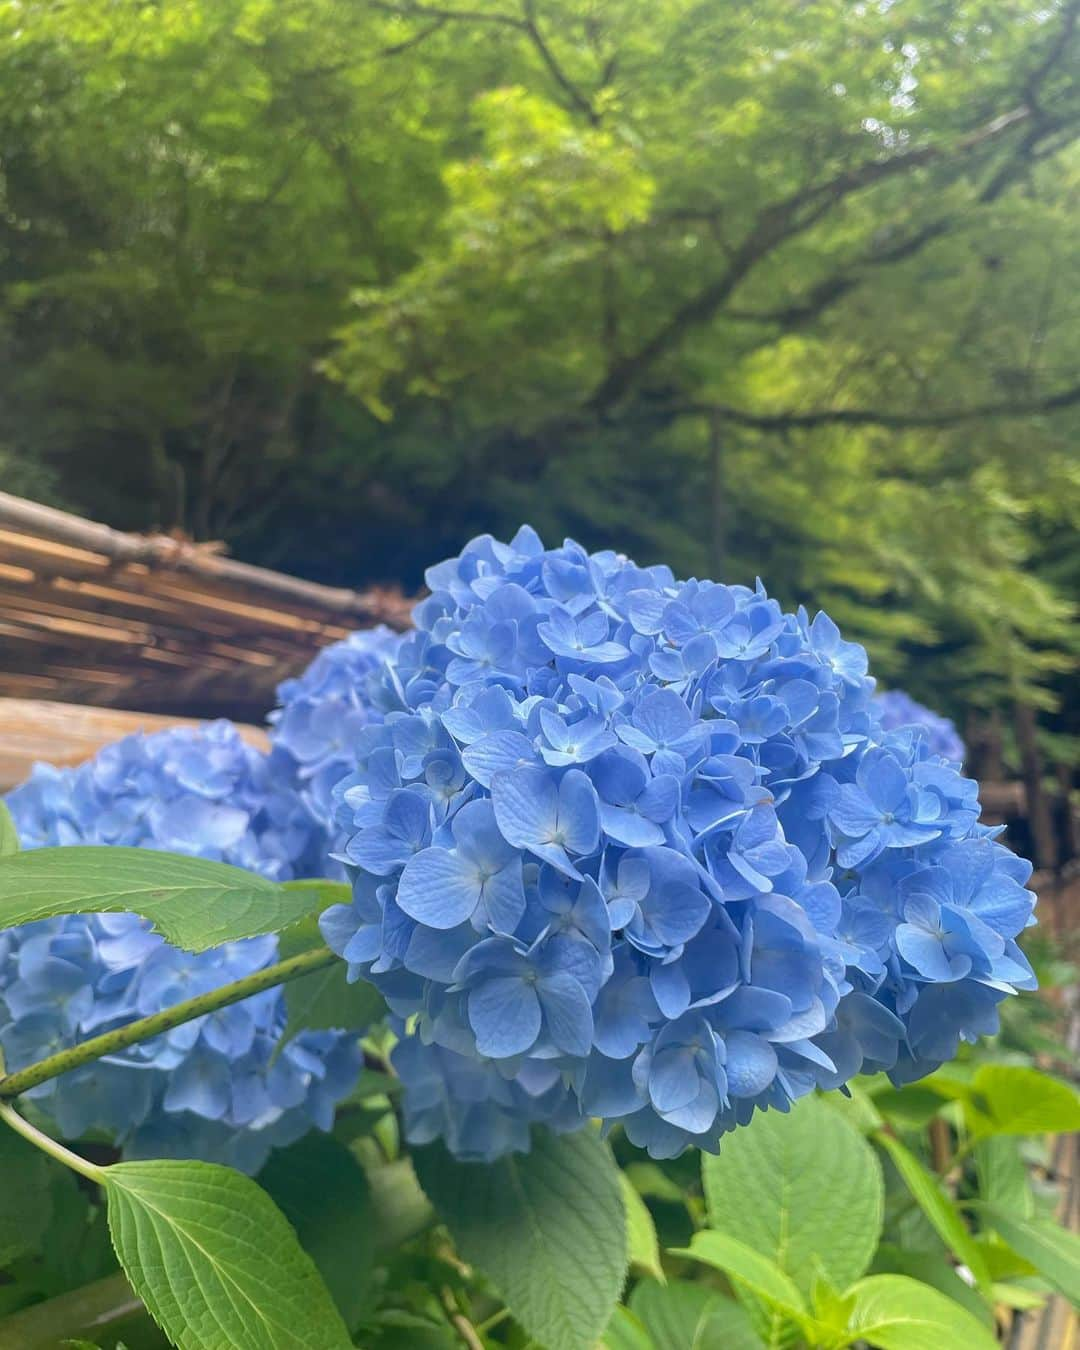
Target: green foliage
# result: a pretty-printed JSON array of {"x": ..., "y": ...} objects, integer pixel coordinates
[
  {"x": 9, "y": 839},
  {"x": 547, "y": 1227},
  {"x": 192, "y": 903},
  {"x": 342, "y": 284},
  {"x": 26, "y": 1210},
  {"x": 324, "y": 999},
  {"x": 685, "y": 1316},
  {"x": 804, "y": 1189},
  {"x": 214, "y": 1260},
  {"x": 323, "y": 1192},
  {"x": 642, "y": 1245},
  {"x": 1051, "y": 1249}
]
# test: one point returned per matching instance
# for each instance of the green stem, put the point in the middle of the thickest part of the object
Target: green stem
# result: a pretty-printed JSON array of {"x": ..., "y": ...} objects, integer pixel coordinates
[
  {"x": 50, "y": 1146},
  {"x": 111, "y": 1042}
]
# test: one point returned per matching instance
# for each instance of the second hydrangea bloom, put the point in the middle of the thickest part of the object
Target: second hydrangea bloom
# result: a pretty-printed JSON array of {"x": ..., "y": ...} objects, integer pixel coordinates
[
  {"x": 222, "y": 1088},
  {"x": 639, "y": 849}
]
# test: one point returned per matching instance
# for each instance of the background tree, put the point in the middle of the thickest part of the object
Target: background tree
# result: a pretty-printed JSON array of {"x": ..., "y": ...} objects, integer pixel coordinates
[{"x": 752, "y": 287}]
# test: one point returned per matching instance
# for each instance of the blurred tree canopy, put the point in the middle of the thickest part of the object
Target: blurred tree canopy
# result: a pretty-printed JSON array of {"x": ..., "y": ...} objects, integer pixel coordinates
[{"x": 749, "y": 286}]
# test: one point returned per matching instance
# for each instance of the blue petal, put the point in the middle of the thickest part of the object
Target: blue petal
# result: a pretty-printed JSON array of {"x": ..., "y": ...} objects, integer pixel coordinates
[
  {"x": 439, "y": 888},
  {"x": 505, "y": 1015}
]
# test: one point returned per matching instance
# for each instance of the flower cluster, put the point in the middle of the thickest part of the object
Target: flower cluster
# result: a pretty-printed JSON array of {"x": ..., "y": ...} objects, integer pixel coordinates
[
  {"x": 638, "y": 849},
  {"x": 315, "y": 726},
  {"x": 897, "y": 709},
  {"x": 221, "y": 1088}
]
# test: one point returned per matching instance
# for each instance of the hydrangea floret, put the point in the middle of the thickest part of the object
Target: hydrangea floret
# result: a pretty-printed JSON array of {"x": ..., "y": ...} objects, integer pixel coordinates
[
  {"x": 898, "y": 709},
  {"x": 221, "y": 1088},
  {"x": 640, "y": 849}
]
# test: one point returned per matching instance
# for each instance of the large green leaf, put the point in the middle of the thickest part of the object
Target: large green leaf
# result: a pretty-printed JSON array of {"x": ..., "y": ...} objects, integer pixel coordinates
[
  {"x": 895, "y": 1313},
  {"x": 215, "y": 1261},
  {"x": 938, "y": 1208},
  {"x": 1009, "y": 1099},
  {"x": 324, "y": 1000},
  {"x": 626, "y": 1332},
  {"x": 9, "y": 837},
  {"x": 1051, "y": 1249},
  {"x": 25, "y": 1196},
  {"x": 192, "y": 903},
  {"x": 324, "y": 1193},
  {"x": 685, "y": 1316},
  {"x": 546, "y": 1227},
  {"x": 643, "y": 1248},
  {"x": 804, "y": 1189}
]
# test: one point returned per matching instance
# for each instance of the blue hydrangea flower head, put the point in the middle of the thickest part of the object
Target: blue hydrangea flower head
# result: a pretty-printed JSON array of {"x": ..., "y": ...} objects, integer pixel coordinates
[
  {"x": 636, "y": 848},
  {"x": 897, "y": 709},
  {"x": 221, "y": 1088},
  {"x": 317, "y": 725}
]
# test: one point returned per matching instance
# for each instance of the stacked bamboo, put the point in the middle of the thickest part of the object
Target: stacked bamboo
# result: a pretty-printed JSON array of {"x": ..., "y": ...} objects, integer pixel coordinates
[{"x": 91, "y": 615}]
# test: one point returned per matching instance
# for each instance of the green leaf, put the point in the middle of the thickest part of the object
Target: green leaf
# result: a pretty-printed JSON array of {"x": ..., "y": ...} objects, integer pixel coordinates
[
  {"x": 324, "y": 1000},
  {"x": 910, "y": 1107},
  {"x": 685, "y": 1316},
  {"x": 644, "y": 1250},
  {"x": 324, "y": 1193},
  {"x": 1003, "y": 1178},
  {"x": 1051, "y": 1249},
  {"x": 1008, "y": 1099},
  {"x": 9, "y": 836},
  {"x": 192, "y": 903},
  {"x": 747, "y": 1267},
  {"x": 215, "y": 1261},
  {"x": 896, "y": 1313},
  {"x": 804, "y": 1189},
  {"x": 546, "y": 1227},
  {"x": 929, "y": 1267},
  {"x": 625, "y": 1332},
  {"x": 938, "y": 1208},
  {"x": 26, "y": 1203}
]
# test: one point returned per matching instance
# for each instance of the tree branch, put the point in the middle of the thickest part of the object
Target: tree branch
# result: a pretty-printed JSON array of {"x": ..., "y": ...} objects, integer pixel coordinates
[
  {"x": 802, "y": 421},
  {"x": 572, "y": 92}
]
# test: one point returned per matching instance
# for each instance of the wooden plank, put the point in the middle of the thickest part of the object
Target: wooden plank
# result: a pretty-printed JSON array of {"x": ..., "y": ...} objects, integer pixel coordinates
[{"x": 63, "y": 733}]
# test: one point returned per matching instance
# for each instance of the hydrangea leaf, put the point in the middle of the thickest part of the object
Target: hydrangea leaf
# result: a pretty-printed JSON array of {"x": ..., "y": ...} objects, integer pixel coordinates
[
  {"x": 324, "y": 1000},
  {"x": 938, "y": 1208},
  {"x": 1009, "y": 1099},
  {"x": 804, "y": 1189},
  {"x": 9, "y": 836},
  {"x": 192, "y": 903},
  {"x": 644, "y": 1250},
  {"x": 324, "y": 1193},
  {"x": 1051, "y": 1249},
  {"x": 546, "y": 1227},
  {"x": 896, "y": 1313},
  {"x": 755, "y": 1274},
  {"x": 686, "y": 1316},
  {"x": 626, "y": 1332},
  {"x": 215, "y": 1261},
  {"x": 27, "y": 1202},
  {"x": 1003, "y": 1177}
]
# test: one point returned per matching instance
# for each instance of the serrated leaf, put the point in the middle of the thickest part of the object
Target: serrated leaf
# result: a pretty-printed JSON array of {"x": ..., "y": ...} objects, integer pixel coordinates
[
  {"x": 939, "y": 1209},
  {"x": 324, "y": 1193},
  {"x": 192, "y": 903},
  {"x": 1008, "y": 1099},
  {"x": 25, "y": 1196},
  {"x": 642, "y": 1246},
  {"x": 9, "y": 836},
  {"x": 895, "y": 1313},
  {"x": 685, "y": 1316},
  {"x": 804, "y": 1189},
  {"x": 546, "y": 1227},
  {"x": 324, "y": 1000},
  {"x": 215, "y": 1261},
  {"x": 1051, "y": 1249}
]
